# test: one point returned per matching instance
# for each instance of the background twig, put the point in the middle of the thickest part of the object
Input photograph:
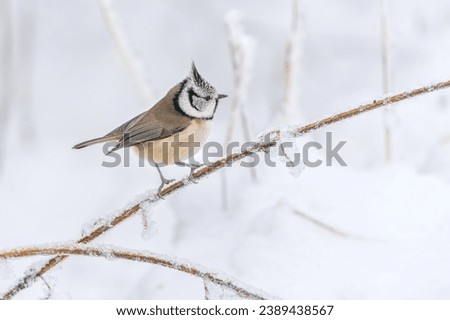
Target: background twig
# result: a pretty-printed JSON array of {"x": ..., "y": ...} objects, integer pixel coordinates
[
  {"x": 318, "y": 223},
  {"x": 292, "y": 58},
  {"x": 130, "y": 59},
  {"x": 203, "y": 172},
  {"x": 5, "y": 70},
  {"x": 385, "y": 78},
  {"x": 241, "y": 53},
  {"x": 24, "y": 66}
]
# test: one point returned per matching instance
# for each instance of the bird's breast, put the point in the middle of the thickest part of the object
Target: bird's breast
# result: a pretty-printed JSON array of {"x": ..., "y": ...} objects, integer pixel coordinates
[{"x": 178, "y": 147}]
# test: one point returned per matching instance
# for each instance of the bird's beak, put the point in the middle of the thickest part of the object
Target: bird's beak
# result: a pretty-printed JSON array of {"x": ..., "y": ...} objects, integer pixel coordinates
[{"x": 221, "y": 96}]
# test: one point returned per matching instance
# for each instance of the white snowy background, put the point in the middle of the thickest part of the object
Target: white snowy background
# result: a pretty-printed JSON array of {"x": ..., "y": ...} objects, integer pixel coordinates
[{"x": 392, "y": 221}]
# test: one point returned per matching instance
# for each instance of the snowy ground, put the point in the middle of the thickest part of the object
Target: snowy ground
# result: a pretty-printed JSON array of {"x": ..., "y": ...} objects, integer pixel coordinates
[{"x": 389, "y": 235}]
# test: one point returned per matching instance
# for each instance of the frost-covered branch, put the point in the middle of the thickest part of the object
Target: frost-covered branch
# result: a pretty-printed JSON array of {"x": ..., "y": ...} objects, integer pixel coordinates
[
  {"x": 241, "y": 51},
  {"x": 147, "y": 257},
  {"x": 205, "y": 171},
  {"x": 293, "y": 47},
  {"x": 385, "y": 78},
  {"x": 131, "y": 61}
]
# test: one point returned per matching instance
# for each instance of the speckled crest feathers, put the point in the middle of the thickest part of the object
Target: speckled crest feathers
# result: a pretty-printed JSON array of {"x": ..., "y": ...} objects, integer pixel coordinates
[{"x": 198, "y": 80}]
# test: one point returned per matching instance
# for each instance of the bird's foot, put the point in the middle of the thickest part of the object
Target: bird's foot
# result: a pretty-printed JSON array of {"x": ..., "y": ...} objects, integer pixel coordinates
[
  {"x": 191, "y": 175},
  {"x": 164, "y": 182},
  {"x": 193, "y": 167}
]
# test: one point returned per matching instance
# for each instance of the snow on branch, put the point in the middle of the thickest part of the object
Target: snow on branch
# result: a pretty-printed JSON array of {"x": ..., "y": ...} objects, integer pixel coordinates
[
  {"x": 296, "y": 131},
  {"x": 109, "y": 253}
]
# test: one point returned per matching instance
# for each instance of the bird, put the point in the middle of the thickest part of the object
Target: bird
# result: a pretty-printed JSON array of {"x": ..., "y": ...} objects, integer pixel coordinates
[{"x": 172, "y": 130}]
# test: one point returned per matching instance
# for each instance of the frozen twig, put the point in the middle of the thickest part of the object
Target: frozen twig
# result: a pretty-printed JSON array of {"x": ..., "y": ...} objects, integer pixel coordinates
[
  {"x": 385, "y": 78},
  {"x": 320, "y": 224},
  {"x": 113, "y": 253},
  {"x": 49, "y": 290},
  {"x": 131, "y": 61},
  {"x": 333, "y": 230},
  {"x": 205, "y": 171},
  {"x": 241, "y": 52},
  {"x": 292, "y": 58},
  {"x": 206, "y": 290}
]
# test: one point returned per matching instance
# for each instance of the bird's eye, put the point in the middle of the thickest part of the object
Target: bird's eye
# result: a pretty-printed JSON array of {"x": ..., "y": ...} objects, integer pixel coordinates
[{"x": 208, "y": 98}]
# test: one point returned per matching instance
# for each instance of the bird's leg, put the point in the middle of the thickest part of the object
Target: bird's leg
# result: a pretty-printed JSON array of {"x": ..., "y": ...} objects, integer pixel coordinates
[
  {"x": 192, "y": 166},
  {"x": 164, "y": 181}
]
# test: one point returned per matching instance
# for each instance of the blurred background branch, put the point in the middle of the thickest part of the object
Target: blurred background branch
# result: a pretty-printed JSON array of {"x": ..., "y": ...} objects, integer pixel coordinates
[
  {"x": 6, "y": 71},
  {"x": 130, "y": 59},
  {"x": 242, "y": 47},
  {"x": 290, "y": 111},
  {"x": 27, "y": 29},
  {"x": 385, "y": 77}
]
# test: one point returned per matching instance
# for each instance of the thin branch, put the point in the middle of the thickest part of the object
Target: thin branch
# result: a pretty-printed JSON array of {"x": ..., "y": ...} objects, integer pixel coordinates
[
  {"x": 112, "y": 253},
  {"x": 388, "y": 101},
  {"x": 320, "y": 224},
  {"x": 313, "y": 220},
  {"x": 224, "y": 191},
  {"x": 240, "y": 52},
  {"x": 49, "y": 289},
  {"x": 205, "y": 171},
  {"x": 131, "y": 61},
  {"x": 240, "y": 44},
  {"x": 384, "y": 47},
  {"x": 291, "y": 65},
  {"x": 385, "y": 77},
  {"x": 206, "y": 290}
]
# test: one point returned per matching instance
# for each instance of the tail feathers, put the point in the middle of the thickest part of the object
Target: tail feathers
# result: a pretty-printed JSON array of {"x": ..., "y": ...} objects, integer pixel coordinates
[{"x": 94, "y": 141}]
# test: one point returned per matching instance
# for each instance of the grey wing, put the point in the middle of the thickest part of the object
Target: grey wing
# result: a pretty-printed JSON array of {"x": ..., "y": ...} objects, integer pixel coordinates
[
  {"x": 121, "y": 129},
  {"x": 137, "y": 132}
]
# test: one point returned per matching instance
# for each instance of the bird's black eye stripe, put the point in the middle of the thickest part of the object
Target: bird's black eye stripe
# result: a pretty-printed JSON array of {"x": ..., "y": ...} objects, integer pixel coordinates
[{"x": 191, "y": 94}]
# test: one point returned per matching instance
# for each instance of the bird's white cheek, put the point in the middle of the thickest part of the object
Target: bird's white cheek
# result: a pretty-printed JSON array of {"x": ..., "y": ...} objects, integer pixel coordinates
[{"x": 211, "y": 107}]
